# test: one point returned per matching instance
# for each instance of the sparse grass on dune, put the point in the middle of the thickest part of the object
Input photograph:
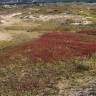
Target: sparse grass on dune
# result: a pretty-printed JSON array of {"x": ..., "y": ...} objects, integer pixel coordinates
[
  {"x": 22, "y": 26},
  {"x": 34, "y": 26},
  {"x": 40, "y": 26},
  {"x": 4, "y": 44}
]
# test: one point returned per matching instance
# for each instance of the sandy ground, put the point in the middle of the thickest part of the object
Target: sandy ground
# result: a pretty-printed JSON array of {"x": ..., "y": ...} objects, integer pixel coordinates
[
  {"x": 62, "y": 17},
  {"x": 9, "y": 19},
  {"x": 5, "y": 36}
]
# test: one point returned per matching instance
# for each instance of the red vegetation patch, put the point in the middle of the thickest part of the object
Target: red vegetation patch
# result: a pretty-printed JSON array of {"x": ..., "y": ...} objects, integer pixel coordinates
[
  {"x": 88, "y": 31},
  {"x": 57, "y": 46}
]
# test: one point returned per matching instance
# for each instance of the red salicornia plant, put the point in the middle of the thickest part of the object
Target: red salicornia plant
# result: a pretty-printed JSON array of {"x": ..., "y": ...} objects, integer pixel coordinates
[{"x": 57, "y": 46}]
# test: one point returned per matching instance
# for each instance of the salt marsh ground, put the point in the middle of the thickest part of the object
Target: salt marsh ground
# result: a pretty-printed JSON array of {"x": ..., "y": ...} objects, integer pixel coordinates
[{"x": 48, "y": 49}]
